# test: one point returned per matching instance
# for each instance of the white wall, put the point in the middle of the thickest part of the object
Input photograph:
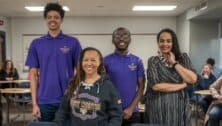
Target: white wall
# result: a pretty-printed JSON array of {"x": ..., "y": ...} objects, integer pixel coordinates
[
  {"x": 183, "y": 33},
  {"x": 220, "y": 39},
  {"x": 84, "y": 25},
  {"x": 204, "y": 41}
]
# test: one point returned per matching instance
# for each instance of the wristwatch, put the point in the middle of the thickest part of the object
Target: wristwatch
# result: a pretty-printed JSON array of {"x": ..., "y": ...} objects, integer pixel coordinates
[{"x": 175, "y": 64}]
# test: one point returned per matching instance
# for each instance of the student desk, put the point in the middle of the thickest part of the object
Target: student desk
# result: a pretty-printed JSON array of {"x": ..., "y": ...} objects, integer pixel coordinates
[
  {"x": 200, "y": 92},
  {"x": 10, "y": 82},
  {"x": 13, "y": 81},
  {"x": 203, "y": 92},
  {"x": 9, "y": 91}
]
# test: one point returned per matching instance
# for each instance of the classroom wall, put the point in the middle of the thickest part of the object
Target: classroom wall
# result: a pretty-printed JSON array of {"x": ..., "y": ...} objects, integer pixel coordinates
[
  {"x": 220, "y": 39},
  {"x": 183, "y": 32},
  {"x": 200, "y": 36},
  {"x": 83, "y": 25},
  {"x": 194, "y": 36},
  {"x": 204, "y": 42}
]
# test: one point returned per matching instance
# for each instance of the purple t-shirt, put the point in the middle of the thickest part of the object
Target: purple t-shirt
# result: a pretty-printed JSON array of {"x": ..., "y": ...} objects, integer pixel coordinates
[
  {"x": 56, "y": 58},
  {"x": 124, "y": 72}
]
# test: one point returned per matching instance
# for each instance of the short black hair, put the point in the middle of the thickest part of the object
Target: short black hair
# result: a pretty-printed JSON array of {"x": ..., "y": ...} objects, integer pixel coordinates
[
  {"x": 210, "y": 61},
  {"x": 119, "y": 29},
  {"x": 54, "y": 7}
]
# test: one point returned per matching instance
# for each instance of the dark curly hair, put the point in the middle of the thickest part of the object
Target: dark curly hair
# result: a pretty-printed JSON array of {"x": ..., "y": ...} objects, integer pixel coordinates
[
  {"x": 210, "y": 61},
  {"x": 54, "y": 7}
]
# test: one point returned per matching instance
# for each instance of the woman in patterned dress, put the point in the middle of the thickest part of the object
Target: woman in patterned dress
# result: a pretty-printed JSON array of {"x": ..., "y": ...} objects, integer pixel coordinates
[{"x": 168, "y": 75}]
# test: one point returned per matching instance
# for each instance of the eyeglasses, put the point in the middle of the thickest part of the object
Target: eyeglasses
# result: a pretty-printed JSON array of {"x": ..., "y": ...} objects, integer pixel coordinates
[{"x": 124, "y": 37}]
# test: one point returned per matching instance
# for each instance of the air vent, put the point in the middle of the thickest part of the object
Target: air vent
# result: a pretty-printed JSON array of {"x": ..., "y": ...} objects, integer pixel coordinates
[{"x": 201, "y": 6}]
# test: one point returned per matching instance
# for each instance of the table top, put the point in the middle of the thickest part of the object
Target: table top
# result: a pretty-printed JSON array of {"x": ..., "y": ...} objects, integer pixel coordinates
[
  {"x": 15, "y": 90},
  {"x": 203, "y": 92},
  {"x": 14, "y": 81}
]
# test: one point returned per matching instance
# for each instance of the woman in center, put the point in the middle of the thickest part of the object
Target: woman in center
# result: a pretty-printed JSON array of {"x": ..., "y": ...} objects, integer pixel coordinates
[
  {"x": 91, "y": 99},
  {"x": 168, "y": 75}
]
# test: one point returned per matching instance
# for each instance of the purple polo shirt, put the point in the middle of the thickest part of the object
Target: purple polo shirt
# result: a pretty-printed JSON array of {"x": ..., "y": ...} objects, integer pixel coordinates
[
  {"x": 124, "y": 72},
  {"x": 56, "y": 58}
]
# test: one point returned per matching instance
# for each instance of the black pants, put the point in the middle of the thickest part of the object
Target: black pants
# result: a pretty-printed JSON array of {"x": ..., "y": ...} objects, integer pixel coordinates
[{"x": 135, "y": 118}]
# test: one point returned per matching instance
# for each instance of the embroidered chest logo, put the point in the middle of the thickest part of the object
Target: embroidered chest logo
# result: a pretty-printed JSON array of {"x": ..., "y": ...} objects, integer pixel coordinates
[
  {"x": 65, "y": 49},
  {"x": 132, "y": 67},
  {"x": 87, "y": 108}
]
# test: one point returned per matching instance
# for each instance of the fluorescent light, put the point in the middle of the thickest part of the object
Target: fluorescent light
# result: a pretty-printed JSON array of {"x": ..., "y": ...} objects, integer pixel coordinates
[
  {"x": 41, "y": 8},
  {"x": 65, "y": 8},
  {"x": 154, "y": 8},
  {"x": 34, "y": 8}
]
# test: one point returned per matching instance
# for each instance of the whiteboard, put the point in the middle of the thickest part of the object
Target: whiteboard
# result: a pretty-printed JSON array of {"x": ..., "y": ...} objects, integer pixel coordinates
[{"x": 142, "y": 45}]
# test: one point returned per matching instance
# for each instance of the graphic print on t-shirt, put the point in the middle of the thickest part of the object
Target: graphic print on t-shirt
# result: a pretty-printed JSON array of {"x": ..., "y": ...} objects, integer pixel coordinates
[{"x": 85, "y": 106}]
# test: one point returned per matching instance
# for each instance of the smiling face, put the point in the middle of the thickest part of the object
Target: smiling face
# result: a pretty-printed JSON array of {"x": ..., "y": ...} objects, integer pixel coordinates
[
  {"x": 91, "y": 62},
  {"x": 53, "y": 20},
  {"x": 121, "y": 39},
  {"x": 165, "y": 43},
  {"x": 206, "y": 69}
]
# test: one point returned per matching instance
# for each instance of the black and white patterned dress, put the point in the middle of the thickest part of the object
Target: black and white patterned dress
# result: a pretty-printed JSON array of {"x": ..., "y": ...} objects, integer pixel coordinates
[{"x": 167, "y": 108}]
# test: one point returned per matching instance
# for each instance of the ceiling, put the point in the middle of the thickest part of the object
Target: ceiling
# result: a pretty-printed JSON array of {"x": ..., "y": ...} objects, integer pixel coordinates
[
  {"x": 212, "y": 14},
  {"x": 213, "y": 11},
  {"x": 15, "y": 8}
]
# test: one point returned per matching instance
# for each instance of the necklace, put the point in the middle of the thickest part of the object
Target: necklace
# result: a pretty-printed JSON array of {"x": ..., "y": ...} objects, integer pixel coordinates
[{"x": 165, "y": 62}]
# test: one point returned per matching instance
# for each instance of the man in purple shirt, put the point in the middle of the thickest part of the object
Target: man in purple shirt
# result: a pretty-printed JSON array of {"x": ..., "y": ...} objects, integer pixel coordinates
[
  {"x": 126, "y": 71},
  {"x": 52, "y": 59}
]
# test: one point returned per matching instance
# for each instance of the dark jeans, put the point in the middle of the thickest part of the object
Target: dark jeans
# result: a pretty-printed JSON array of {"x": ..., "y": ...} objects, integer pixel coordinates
[
  {"x": 190, "y": 90},
  {"x": 215, "y": 116},
  {"x": 135, "y": 118},
  {"x": 48, "y": 112}
]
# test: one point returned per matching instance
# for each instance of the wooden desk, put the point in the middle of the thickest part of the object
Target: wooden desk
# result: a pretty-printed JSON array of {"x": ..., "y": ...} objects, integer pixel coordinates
[
  {"x": 15, "y": 90},
  {"x": 203, "y": 92},
  {"x": 200, "y": 92},
  {"x": 8, "y": 91},
  {"x": 13, "y": 81}
]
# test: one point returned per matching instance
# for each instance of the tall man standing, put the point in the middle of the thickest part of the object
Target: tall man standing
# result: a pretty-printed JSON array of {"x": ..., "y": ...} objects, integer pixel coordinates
[
  {"x": 52, "y": 59},
  {"x": 126, "y": 71}
]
